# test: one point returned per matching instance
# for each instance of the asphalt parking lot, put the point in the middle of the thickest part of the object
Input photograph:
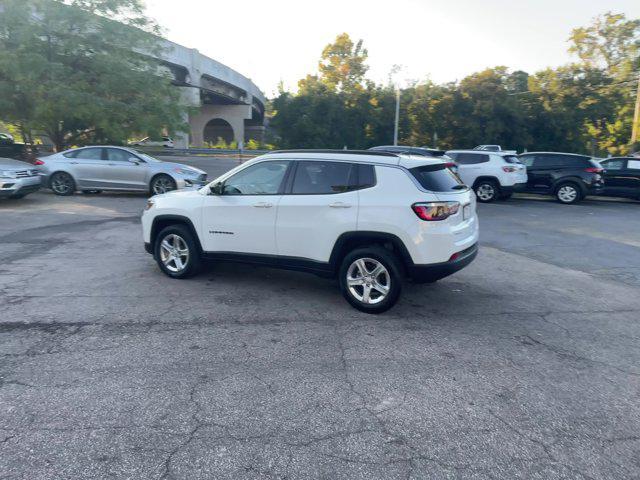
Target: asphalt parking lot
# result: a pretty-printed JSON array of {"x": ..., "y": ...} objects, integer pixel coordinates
[{"x": 524, "y": 365}]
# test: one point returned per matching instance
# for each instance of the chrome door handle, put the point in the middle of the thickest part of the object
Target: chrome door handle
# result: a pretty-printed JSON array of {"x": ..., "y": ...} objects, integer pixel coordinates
[
  {"x": 339, "y": 205},
  {"x": 263, "y": 205}
]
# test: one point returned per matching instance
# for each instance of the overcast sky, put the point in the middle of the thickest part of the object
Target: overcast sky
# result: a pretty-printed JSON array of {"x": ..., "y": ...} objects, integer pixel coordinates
[{"x": 273, "y": 40}]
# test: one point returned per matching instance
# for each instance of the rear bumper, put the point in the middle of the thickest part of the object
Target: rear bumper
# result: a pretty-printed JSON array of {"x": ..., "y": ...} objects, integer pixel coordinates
[{"x": 436, "y": 271}]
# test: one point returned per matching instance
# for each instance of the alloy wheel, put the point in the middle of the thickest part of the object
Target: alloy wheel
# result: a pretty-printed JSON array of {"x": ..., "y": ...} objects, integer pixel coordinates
[
  {"x": 61, "y": 184},
  {"x": 174, "y": 253},
  {"x": 486, "y": 192},
  {"x": 567, "y": 194},
  {"x": 163, "y": 185},
  {"x": 368, "y": 280}
]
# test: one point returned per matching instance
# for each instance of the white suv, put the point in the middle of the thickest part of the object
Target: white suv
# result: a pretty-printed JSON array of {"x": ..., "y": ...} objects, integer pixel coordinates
[
  {"x": 493, "y": 175},
  {"x": 370, "y": 218}
]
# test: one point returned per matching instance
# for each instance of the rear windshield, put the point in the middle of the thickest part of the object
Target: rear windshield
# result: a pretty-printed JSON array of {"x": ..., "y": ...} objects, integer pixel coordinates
[
  {"x": 435, "y": 178},
  {"x": 511, "y": 159}
]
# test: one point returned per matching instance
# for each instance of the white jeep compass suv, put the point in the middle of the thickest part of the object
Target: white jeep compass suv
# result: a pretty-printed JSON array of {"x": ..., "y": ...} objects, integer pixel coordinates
[
  {"x": 493, "y": 175},
  {"x": 372, "y": 219}
]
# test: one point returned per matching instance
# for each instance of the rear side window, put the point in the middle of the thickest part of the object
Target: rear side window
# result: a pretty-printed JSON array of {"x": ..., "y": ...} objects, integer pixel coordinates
[
  {"x": 567, "y": 161},
  {"x": 471, "y": 158},
  {"x": 313, "y": 178},
  {"x": 435, "y": 178},
  {"x": 89, "y": 154},
  {"x": 366, "y": 176},
  {"x": 633, "y": 164}
]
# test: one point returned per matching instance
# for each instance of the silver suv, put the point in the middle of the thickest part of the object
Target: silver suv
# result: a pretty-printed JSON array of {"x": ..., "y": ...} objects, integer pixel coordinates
[
  {"x": 17, "y": 179},
  {"x": 93, "y": 169}
]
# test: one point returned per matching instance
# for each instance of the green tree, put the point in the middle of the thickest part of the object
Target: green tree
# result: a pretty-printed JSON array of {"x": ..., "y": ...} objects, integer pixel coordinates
[
  {"x": 343, "y": 65},
  {"x": 68, "y": 70}
]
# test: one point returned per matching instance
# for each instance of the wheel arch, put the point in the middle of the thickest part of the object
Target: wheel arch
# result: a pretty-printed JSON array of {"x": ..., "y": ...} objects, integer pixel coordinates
[
  {"x": 162, "y": 221},
  {"x": 61, "y": 170},
  {"x": 482, "y": 178},
  {"x": 572, "y": 179},
  {"x": 349, "y": 241}
]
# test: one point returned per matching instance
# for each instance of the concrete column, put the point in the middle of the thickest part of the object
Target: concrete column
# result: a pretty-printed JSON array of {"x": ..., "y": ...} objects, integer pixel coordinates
[{"x": 234, "y": 115}]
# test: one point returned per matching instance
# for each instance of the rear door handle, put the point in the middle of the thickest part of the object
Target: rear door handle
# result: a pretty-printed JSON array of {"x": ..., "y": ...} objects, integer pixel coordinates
[
  {"x": 339, "y": 205},
  {"x": 263, "y": 205}
]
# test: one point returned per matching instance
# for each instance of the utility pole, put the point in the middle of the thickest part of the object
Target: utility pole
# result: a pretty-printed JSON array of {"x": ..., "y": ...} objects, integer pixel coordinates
[
  {"x": 395, "y": 127},
  {"x": 636, "y": 118}
]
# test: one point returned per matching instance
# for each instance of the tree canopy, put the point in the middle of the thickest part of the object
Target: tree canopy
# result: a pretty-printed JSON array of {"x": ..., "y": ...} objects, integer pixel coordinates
[
  {"x": 83, "y": 71},
  {"x": 585, "y": 106}
]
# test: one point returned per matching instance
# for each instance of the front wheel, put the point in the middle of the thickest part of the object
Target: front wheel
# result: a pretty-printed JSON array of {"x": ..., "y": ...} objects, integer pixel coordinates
[
  {"x": 176, "y": 252},
  {"x": 371, "y": 279},
  {"x": 568, "y": 193},
  {"x": 162, "y": 184},
  {"x": 487, "y": 191}
]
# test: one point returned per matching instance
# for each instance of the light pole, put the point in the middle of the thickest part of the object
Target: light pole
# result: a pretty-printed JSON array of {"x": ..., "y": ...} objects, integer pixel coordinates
[{"x": 395, "y": 125}]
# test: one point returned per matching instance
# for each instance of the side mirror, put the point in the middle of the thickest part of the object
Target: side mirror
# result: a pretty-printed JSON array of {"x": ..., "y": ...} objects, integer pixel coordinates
[
  {"x": 134, "y": 160},
  {"x": 217, "y": 188}
]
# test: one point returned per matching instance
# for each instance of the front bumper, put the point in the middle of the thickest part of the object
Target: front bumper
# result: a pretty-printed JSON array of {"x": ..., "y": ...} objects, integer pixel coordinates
[
  {"x": 10, "y": 187},
  {"x": 436, "y": 271}
]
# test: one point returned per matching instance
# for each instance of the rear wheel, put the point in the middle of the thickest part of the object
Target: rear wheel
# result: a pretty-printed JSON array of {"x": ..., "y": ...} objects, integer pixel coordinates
[
  {"x": 568, "y": 193},
  {"x": 487, "y": 191},
  {"x": 62, "y": 184},
  {"x": 176, "y": 252},
  {"x": 162, "y": 184},
  {"x": 371, "y": 279}
]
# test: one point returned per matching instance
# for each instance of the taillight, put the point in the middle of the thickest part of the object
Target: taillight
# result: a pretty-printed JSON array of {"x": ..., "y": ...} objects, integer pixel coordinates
[
  {"x": 38, "y": 162},
  {"x": 450, "y": 165},
  {"x": 509, "y": 169},
  {"x": 594, "y": 170},
  {"x": 434, "y": 211}
]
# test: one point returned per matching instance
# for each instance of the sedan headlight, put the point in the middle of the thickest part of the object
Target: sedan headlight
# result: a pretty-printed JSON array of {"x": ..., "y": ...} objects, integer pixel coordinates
[
  {"x": 185, "y": 171},
  {"x": 8, "y": 174}
]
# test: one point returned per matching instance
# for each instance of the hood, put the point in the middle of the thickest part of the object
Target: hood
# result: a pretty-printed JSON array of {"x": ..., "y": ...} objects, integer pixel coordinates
[
  {"x": 10, "y": 163},
  {"x": 174, "y": 165},
  {"x": 182, "y": 193}
]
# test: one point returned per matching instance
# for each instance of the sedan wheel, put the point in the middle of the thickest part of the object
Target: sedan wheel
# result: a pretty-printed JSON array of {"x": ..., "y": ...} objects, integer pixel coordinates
[{"x": 162, "y": 184}]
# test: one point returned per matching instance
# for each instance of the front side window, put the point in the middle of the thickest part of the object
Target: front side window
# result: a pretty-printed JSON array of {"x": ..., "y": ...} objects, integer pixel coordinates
[
  {"x": 313, "y": 178},
  {"x": 264, "y": 178},
  {"x": 633, "y": 164}
]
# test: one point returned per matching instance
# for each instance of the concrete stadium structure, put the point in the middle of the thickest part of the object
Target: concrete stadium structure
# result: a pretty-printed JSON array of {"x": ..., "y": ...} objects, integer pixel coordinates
[{"x": 229, "y": 105}]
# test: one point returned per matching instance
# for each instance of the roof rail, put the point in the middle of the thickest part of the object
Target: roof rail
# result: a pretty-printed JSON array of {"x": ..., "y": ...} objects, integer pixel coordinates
[{"x": 345, "y": 152}]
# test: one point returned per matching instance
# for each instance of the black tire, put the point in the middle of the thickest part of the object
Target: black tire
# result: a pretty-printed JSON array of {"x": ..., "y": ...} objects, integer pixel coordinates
[
  {"x": 192, "y": 263},
  {"x": 393, "y": 277},
  {"x": 91, "y": 192},
  {"x": 162, "y": 184},
  {"x": 62, "y": 184},
  {"x": 563, "y": 195},
  {"x": 505, "y": 196},
  {"x": 487, "y": 191}
]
